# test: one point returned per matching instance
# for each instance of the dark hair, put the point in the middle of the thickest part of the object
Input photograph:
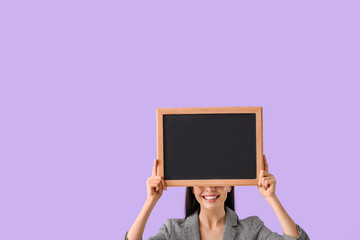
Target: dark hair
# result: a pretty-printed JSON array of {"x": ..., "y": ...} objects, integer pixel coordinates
[{"x": 192, "y": 205}]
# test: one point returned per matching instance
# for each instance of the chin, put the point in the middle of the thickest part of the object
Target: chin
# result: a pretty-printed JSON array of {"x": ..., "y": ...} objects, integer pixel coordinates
[{"x": 211, "y": 205}]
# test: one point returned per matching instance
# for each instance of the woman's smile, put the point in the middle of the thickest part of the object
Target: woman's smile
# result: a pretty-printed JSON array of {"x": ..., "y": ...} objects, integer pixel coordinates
[{"x": 211, "y": 198}]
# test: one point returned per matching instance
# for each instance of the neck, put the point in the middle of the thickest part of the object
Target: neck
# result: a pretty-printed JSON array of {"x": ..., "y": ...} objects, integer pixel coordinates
[{"x": 212, "y": 218}]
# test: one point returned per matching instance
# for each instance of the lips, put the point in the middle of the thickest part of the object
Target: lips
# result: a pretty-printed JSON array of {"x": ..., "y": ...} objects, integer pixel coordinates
[{"x": 210, "y": 198}]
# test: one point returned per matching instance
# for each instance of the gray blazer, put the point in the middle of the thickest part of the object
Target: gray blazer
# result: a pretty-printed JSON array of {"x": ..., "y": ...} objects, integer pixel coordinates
[{"x": 251, "y": 228}]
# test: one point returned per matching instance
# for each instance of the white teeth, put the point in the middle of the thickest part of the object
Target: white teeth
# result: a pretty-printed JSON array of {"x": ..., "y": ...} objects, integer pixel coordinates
[{"x": 210, "y": 198}]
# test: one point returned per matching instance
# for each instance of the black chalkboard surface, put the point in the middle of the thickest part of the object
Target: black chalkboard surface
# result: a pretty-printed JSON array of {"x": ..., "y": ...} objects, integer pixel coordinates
[{"x": 201, "y": 146}]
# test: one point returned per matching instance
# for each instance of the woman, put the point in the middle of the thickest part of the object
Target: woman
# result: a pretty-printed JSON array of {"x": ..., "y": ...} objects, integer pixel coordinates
[{"x": 211, "y": 216}]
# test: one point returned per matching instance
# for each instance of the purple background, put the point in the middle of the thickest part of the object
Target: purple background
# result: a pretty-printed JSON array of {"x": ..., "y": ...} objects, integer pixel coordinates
[{"x": 80, "y": 82}]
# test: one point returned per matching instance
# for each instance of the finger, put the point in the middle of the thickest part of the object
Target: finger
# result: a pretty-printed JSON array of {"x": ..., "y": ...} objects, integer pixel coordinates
[
  {"x": 266, "y": 184},
  {"x": 263, "y": 182},
  {"x": 269, "y": 178},
  {"x": 155, "y": 180},
  {"x": 161, "y": 181},
  {"x": 265, "y": 173},
  {"x": 271, "y": 181},
  {"x": 157, "y": 186},
  {"x": 261, "y": 176},
  {"x": 157, "y": 183},
  {"x": 152, "y": 184},
  {"x": 266, "y": 164},
  {"x": 164, "y": 184},
  {"x": 154, "y": 168},
  {"x": 161, "y": 187}
]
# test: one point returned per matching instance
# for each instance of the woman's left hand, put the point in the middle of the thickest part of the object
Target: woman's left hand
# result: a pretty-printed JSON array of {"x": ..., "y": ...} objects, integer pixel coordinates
[{"x": 267, "y": 182}]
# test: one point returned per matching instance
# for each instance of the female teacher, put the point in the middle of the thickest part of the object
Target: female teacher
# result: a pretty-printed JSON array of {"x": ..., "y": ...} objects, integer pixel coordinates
[{"x": 210, "y": 214}]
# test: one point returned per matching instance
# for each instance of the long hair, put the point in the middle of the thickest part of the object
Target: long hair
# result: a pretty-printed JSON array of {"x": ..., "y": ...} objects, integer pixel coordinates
[{"x": 192, "y": 205}]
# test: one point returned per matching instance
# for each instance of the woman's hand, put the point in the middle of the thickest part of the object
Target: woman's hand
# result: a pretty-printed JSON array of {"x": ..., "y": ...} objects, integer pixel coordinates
[
  {"x": 267, "y": 182},
  {"x": 155, "y": 184}
]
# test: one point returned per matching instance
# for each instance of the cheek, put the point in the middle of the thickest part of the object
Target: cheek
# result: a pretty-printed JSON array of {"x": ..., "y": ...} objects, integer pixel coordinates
[
  {"x": 197, "y": 196},
  {"x": 224, "y": 196}
]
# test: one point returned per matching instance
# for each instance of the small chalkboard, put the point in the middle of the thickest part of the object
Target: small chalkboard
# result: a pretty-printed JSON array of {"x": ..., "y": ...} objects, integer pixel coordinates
[{"x": 209, "y": 146}]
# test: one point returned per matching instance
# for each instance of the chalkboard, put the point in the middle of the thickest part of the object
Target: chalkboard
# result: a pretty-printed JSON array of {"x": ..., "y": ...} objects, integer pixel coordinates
[{"x": 209, "y": 146}]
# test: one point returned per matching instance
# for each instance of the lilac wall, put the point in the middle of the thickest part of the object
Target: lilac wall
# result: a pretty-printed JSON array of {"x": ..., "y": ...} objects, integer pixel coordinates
[{"x": 80, "y": 81}]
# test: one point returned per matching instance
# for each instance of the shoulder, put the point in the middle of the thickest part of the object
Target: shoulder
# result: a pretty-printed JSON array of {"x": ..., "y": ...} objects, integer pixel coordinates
[
  {"x": 172, "y": 225},
  {"x": 169, "y": 229},
  {"x": 247, "y": 227},
  {"x": 249, "y": 223},
  {"x": 252, "y": 223}
]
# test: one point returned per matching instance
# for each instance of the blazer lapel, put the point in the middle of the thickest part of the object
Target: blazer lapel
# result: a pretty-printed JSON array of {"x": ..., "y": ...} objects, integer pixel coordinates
[
  {"x": 230, "y": 224},
  {"x": 191, "y": 227}
]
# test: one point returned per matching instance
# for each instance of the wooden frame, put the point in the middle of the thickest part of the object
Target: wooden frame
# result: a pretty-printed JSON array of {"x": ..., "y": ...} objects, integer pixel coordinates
[{"x": 160, "y": 112}]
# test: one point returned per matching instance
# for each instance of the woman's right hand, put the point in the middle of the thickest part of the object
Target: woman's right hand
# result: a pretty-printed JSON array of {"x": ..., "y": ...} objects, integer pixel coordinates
[{"x": 155, "y": 184}]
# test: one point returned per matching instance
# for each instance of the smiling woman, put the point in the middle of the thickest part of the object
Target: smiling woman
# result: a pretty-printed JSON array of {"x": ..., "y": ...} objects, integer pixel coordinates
[
  {"x": 210, "y": 214},
  {"x": 211, "y": 194}
]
